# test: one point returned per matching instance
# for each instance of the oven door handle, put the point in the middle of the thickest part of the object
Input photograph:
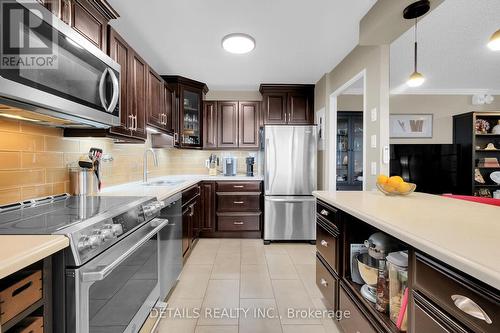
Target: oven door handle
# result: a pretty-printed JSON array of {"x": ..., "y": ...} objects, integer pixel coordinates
[{"x": 101, "y": 274}]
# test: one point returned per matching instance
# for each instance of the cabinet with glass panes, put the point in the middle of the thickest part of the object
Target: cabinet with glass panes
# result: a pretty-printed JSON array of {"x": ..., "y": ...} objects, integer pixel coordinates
[{"x": 349, "y": 151}]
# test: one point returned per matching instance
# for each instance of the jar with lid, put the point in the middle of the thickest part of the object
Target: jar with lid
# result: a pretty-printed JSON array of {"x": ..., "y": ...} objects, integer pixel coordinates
[{"x": 397, "y": 266}]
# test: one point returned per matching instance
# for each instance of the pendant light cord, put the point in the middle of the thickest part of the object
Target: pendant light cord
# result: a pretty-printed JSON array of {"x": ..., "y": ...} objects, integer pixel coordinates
[{"x": 416, "y": 22}]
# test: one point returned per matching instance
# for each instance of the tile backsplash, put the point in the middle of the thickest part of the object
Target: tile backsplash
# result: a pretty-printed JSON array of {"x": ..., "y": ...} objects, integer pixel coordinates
[{"x": 34, "y": 160}]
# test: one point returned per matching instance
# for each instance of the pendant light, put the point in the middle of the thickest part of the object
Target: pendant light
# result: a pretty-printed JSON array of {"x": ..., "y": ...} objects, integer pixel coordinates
[
  {"x": 413, "y": 12},
  {"x": 494, "y": 43}
]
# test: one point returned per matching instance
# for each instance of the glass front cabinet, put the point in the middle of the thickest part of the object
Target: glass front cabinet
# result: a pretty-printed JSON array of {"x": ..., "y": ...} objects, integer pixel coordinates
[
  {"x": 349, "y": 151},
  {"x": 189, "y": 95}
]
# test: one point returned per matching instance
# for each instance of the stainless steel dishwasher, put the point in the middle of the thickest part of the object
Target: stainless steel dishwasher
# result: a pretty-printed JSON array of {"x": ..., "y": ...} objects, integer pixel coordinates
[{"x": 170, "y": 256}]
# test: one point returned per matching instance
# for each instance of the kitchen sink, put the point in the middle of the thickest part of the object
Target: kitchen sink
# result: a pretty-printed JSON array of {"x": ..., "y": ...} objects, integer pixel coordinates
[{"x": 165, "y": 183}]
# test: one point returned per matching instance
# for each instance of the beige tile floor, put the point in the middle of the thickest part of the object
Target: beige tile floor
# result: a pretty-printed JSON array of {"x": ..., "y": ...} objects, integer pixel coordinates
[{"x": 232, "y": 274}]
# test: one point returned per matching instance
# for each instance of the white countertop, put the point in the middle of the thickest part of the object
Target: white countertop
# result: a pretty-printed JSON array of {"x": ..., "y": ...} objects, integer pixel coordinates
[
  {"x": 463, "y": 234},
  {"x": 163, "y": 192}
]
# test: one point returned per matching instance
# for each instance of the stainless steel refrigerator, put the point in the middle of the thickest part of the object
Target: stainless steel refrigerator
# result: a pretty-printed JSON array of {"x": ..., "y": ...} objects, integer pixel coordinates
[{"x": 290, "y": 172}]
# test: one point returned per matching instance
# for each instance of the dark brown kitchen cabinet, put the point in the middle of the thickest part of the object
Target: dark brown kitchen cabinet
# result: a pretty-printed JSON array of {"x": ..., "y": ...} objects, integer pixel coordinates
[
  {"x": 89, "y": 22},
  {"x": 154, "y": 106},
  {"x": 227, "y": 119},
  {"x": 191, "y": 214},
  {"x": 168, "y": 107},
  {"x": 288, "y": 104},
  {"x": 248, "y": 129},
  {"x": 210, "y": 124},
  {"x": 207, "y": 221},
  {"x": 188, "y": 112},
  {"x": 138, "y": 95}
]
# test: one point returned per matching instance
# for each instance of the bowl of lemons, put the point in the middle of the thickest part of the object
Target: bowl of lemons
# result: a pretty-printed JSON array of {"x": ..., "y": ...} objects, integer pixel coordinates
[{"x": 394, "y": 185}]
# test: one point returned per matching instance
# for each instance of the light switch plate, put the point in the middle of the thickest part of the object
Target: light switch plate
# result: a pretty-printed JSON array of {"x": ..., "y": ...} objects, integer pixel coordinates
[
  {"x": 374, "y": 114},
  {"x": 374, "y": 168},
  {"x": 386, "y": 155},
  {"x": 374, "y": 141}
]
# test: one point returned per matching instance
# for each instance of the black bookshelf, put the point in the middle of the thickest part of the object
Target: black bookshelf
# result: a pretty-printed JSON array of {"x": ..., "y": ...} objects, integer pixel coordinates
[{"x": 473, "y": 149}]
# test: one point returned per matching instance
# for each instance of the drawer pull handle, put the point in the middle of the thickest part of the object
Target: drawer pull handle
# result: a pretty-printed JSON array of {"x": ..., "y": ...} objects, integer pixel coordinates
[
  {"x": 239, "y": 223},
  {"x": 238, "y": 186},
  {"x": 238, "y": 202},
  {"x": 324, "y": 212},
  {"x": 468, "y": 306},
  {"x": 324, "y": 283},
  {"x": 324, "y": 243}
]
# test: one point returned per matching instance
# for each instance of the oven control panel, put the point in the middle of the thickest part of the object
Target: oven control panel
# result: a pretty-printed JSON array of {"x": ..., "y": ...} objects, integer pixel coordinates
[{"x": 96, "y": 238}]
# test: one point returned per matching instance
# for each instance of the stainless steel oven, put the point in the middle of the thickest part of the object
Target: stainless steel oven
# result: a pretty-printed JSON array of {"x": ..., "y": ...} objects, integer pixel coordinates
[
  {"x": 74, "y": 80},
  {"x": 115, "y": 291}
]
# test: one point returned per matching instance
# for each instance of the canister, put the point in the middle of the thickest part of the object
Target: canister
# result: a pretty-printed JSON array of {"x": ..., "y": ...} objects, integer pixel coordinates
[{"x": 397, "y": 266}]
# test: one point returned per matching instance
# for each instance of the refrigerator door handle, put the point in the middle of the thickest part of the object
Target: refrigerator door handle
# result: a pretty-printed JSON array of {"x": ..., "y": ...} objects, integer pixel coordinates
[
  {"x": 266, "y": 174},
  {"x": 302, "y": 199}
]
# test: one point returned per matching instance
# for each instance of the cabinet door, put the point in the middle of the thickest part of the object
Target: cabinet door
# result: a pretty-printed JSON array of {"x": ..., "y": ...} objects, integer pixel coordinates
[
  {"x": 89, "y": 23},
  {"x": 228, "y": 124},
  {"x": 168, "y": 107},
  {"x": 120, "y": 52},
  {"x": 275, "y": 108},
  {"x": 186, "y": 232},
  {"x": 154, "y": 96},
  {"x": 248, "y": 124},
  {"x": 210, "y": 127},
  {"x": 207, "y": 222},
  {"x": 299, "y": 109},
  {"x": 138, "y": 78},
  {"x": 195, "y": 219},
  {"x": 190, "y": 117}
]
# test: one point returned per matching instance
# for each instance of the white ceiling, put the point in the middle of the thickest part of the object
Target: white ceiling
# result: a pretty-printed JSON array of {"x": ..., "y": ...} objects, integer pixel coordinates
[
  {"x": 453, "y": 55},
  {"x": 297, "y": 41}
]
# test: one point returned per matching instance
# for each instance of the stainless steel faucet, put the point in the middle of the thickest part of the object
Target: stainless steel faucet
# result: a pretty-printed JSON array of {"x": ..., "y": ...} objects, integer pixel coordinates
[{"x": 145, "y": 164}]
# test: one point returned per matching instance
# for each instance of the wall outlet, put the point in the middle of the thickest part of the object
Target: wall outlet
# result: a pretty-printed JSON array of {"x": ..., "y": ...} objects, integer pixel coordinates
[
  {"x": 374, "y": 168},
  {"x": 374, "y": 114},
  {"x": 374, "y": 141}
]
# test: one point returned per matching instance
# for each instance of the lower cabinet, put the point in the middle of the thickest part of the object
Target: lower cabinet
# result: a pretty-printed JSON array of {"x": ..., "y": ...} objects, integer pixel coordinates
[
  {"x": 191, "y": 213},
  {"x": 356, "y": 322},
  {"x": 327, "y": 284},
  {"x": 207, "y": 221}
]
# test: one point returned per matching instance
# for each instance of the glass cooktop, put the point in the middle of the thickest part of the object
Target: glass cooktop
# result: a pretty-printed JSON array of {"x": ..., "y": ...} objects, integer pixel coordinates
[{"x": 47, "y": 216}]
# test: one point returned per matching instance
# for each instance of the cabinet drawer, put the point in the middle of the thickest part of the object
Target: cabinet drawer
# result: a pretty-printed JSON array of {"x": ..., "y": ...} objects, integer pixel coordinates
[
  {"x": 327, "y": 212},
  {"x": 236, "y": 222},
  {"x": 238, "y": 203},
  {"x": 19, "y": 294},
  {"x": 425, "y": 318},
  {"x": 326, "y": 283},
  {"x": 472, "y": 304},
  {"x": 29, "y": 325},
  {"x": 238, "y": 187},
  {"x": 327, "y": 243},
  {"x": 357, "y": 322}
]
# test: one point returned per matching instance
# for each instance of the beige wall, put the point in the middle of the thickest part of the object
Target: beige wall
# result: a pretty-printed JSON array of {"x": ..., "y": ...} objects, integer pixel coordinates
[
  {"x": 223, "y": 95},
  {"x": 374, "y": 60},
  {"x": 34, "y": 161},
  {"x": 443, "y": 107},
  {"x": 350, "y": 103}
]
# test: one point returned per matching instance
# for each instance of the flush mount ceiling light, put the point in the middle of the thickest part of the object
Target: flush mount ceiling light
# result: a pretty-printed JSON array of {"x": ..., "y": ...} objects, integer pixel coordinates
[
  {"x": 494, "y": 43},
  {"x": 413, "y": 12},
  {"x": 238, "y": 43}
]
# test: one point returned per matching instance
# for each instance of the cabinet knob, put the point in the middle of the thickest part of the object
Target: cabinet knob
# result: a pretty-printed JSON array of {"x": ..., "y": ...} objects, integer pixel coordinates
[
  {"x": 324, "y": 283},
  {"x": 324, "y": 212},
  {"x": 238, "y": 223},
  {"x": 324, "y": 243},
  {"x": 238, "y": 202},
  {"x": 470, "y": 307},
  {"x": 238, "y": 186}
]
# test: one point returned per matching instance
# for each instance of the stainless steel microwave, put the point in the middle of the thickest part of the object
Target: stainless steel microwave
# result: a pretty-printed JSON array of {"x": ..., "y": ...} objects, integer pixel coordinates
[{"x": 52, "y": 75}]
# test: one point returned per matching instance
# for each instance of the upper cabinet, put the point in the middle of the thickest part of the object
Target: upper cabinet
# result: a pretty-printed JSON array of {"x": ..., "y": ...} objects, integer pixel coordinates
[
  {"x": 188, "y": 112},
  {"x": 287, "y": 104},
  {"x": 160, "y": 103},
  {"x": 231, "y": 124}
]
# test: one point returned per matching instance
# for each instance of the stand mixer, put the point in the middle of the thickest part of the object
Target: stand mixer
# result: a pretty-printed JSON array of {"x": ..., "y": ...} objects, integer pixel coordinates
[{"x": 379, "y": 245}]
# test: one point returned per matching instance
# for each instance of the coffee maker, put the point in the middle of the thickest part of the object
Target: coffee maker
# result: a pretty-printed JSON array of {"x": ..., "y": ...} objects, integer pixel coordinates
[
  {"x": 250, "y": 162},
  {"x": 229, "y": 166}
]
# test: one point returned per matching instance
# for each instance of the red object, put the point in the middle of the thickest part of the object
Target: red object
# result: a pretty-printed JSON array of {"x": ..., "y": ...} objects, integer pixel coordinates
[
  {"x": 402, "y": 310},
  {"x": 487, "y": 201}
]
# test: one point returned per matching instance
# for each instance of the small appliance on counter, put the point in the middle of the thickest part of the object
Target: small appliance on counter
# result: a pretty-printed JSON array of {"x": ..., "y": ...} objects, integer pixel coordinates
[
  {"x": 229, "y": 165},
  {"x": 250, "y": 161}
]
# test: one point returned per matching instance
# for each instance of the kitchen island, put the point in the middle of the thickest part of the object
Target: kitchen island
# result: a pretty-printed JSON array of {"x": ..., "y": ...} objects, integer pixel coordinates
[{"x": 453, "y": 269}]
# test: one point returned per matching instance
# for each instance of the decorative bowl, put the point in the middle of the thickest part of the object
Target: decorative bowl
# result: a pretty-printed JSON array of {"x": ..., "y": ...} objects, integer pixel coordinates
[
  {"x": 495, "y": 176},
  {"x": 412, "y": 189}
]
